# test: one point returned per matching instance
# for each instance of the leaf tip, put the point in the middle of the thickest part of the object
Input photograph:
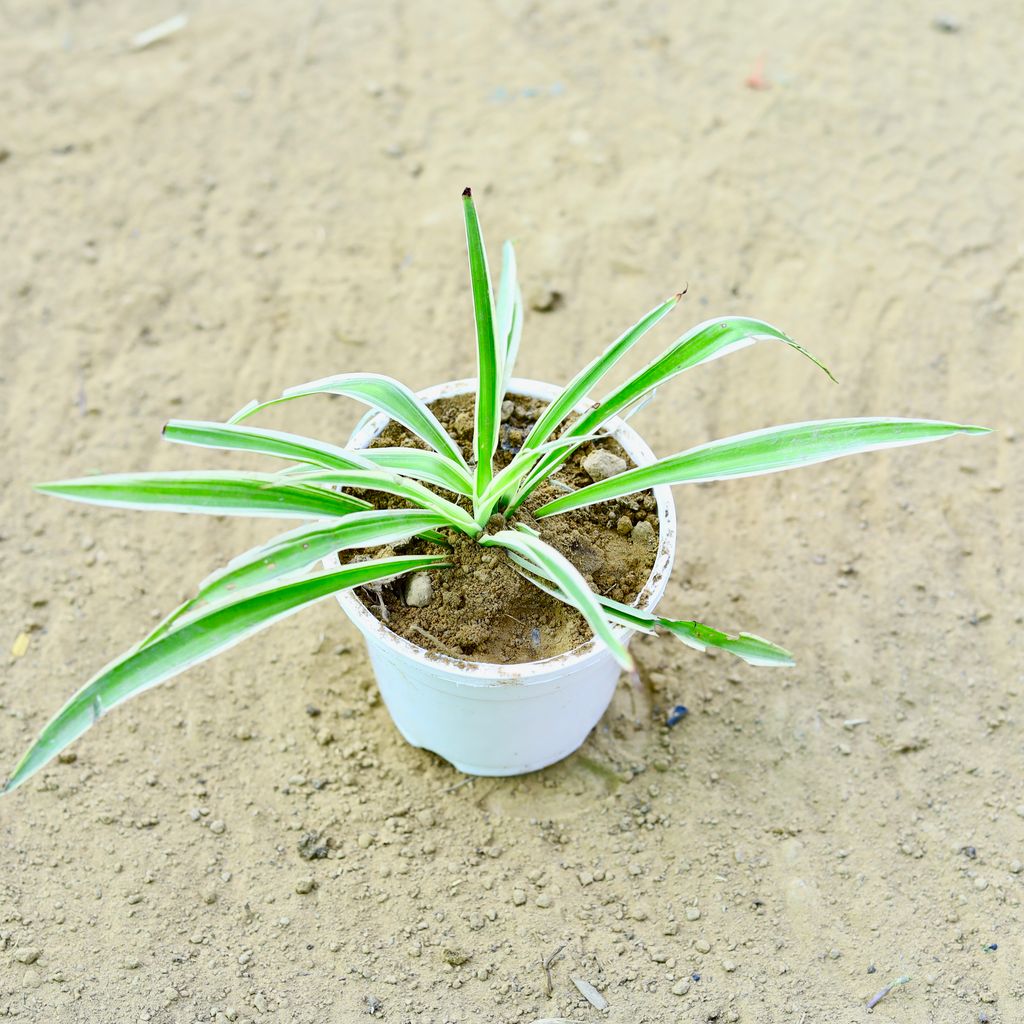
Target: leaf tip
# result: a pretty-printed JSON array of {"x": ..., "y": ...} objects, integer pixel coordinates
[
  {"x": 467, "y": 193},
  {"x": 678, "y": 295}
]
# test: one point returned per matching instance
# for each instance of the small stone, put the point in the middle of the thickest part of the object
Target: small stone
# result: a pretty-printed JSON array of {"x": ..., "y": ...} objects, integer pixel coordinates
[
  {"x": 243, "y": 732},
  {"x": 324, "y": 737},
  {"x": 643, "y": 533},
  {"x": 426, "y": 817},
  {"x": 304, "y": 885},
  {"x": 601, "y": 464},
  {"x": 131, "y": 964},
  {"x": 624, "y": 526},
  {"x": 419, "y": 591},
  {"x": 680, "y": 988},
  {"x": 26, "y": 955},
  {"x": 507, "y": 408},
  {"x": 313, "y": 711},
  {"x": 835, "y": 954},
  {"x": 31, "y": 979},
  {"x": 217, "y": 827},
  {"x": 586, "y": 878},
  {"x": 692, "y": 914},
  {"x": 543, "y": 900},
  {"x": 729, "y": 966},
  {"x": 1016, "y": 867},
  {"x": 1020, "y": 810},
  {"x": 545, "y": 299},
  {"x": 980, "y": 884},
  {"x": 945, "y": 23},
  {"x": 518, "y": 897},
  {"x": 67, "y": 757},
  {"x": 702, "y": 946},
  {"x": 365, "y": 840}
]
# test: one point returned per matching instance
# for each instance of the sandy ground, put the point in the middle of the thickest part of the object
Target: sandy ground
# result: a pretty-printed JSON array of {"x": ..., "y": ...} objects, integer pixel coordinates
[{"x": 271, "y": 196}]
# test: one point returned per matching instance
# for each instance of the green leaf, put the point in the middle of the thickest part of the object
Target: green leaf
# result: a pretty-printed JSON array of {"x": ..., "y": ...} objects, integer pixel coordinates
[
  {"x": 418, "y": 464},
  {"x": 299, "y": 549},
  {"x": 233, "y": 437},
  {"x": 193, "y": 642},
  {"x": 379, "y": 392},
  {"x": 752, "y": 649},
  {"x": 701, "y": 344},
  {"x": 579, "y": 387},
  {"x": 569, "y": 581},
  {"x": 508, "y": 314},
  {"x": 491, "y": 351},
  {"x": 224, "y": 493},
  {"x": 763, "y": 451},
  {"x": 381, "y": 480}
]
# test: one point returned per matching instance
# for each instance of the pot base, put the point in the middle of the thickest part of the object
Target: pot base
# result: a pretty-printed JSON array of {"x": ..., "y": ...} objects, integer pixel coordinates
[{"x": 497, "y": 771}]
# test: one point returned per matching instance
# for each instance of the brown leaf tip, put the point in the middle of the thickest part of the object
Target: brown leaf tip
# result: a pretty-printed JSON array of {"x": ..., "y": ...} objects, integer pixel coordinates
[{"x": 467, "y": 193}]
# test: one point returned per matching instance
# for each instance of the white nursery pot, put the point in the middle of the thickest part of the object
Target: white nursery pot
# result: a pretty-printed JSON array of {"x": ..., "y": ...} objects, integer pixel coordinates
[{"x": 489, "y": 719}]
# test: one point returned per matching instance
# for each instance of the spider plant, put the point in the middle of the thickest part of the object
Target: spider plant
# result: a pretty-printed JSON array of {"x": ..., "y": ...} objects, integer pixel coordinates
[{"x": 443, "y": 490}]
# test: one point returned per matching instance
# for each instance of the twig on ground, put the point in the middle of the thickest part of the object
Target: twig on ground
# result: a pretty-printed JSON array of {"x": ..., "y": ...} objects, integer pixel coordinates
[{"x": 546, "y": 964}]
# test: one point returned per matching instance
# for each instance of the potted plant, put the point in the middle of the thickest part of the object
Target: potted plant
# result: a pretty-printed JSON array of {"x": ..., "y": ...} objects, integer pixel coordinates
[{"x": 486, "y": 515}]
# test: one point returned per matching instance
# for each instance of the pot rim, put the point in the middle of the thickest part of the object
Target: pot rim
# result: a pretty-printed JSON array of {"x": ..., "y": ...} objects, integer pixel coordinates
[{"x": 482, "y": 672}]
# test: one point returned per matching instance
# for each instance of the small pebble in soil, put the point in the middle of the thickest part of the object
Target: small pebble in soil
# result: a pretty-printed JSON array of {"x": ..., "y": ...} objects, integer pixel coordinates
[
  {"x": 695, "y": 976},
  {"x": 692, "y": 914},
  {"x": 624, "y": 525},
  {"x": 419, "y": 591},
  {"x": 600, "y": 465},
  {"x": 26, "y": 955},
  {"x": 545, "y": 299},
  {"x": 312, "y": 710},
  {"x": 305, "y": 885},
  {"x": 643, "y": 533}
]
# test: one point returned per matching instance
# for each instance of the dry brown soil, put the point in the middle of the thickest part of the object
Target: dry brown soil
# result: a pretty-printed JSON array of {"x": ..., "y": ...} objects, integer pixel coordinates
[{"x": 271, "y": 195}]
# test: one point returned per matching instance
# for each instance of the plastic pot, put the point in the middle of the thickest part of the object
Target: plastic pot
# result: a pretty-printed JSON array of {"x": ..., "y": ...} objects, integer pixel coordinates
[{"x": 490, "y": 719}]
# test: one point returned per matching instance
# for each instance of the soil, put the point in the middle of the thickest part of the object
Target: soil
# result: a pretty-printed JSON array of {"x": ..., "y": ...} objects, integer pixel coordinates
[
  {"x": 271, "y": 195},
  {"x": 482, "y": 608}
]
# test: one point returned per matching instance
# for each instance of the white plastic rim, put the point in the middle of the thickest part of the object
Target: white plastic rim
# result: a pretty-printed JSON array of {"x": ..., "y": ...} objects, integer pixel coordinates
[{"x": 493, "y": 719}]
